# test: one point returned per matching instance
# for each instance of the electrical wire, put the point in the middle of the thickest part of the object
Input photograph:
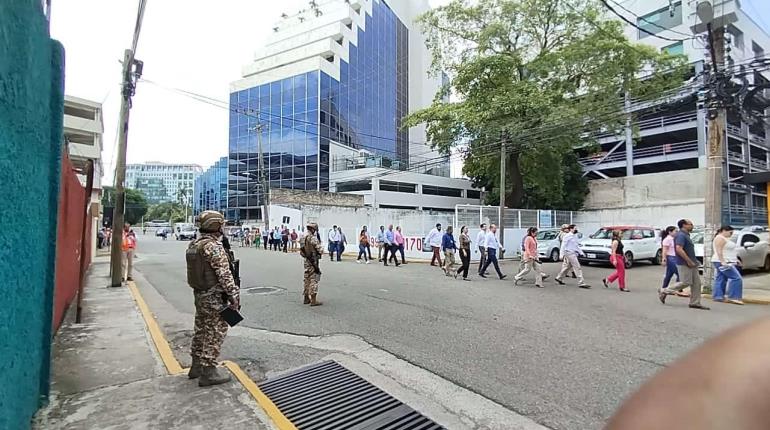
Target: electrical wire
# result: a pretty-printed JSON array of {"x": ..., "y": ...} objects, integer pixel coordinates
[
  {"x": 689, "y": 36},
  {"x": 633, "y": 24}
]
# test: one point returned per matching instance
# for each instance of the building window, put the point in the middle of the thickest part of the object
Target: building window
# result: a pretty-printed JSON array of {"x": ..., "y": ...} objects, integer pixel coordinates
[
  {"x": 441, "y": 191},
  {"x": 343, "y": 187},
  {"x": 674, "y": 49},
  {"x": 660, "y": 20},
  {"x": 398, "y": 187},
  {"x": 473, "y": 194}
]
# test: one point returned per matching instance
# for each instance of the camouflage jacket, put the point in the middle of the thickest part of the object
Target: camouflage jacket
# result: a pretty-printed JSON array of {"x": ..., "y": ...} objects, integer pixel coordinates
[
  {"x": 311, "y": 247},
  {"x": 214, "y": 254}
]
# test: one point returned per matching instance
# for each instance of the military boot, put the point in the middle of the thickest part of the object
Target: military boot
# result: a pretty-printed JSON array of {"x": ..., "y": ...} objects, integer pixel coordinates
[
  {"x": 307, "y": 300},
  {"x": 212, "y": 375},
  {"x": 195, "y": 368},
  {"x": 313, "y": 301}
]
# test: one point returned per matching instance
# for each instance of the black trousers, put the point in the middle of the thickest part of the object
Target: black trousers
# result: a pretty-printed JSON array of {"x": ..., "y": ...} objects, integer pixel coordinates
[
  {"x": 465, "y": 258},
  {"x": 392, "y": 249}
]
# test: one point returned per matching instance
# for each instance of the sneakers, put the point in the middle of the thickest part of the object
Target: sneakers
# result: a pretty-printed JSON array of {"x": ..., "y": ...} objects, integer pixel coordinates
[
  {"x": 584, "y": 286},
  {"x": 358, "y": 261},
  {"x": 700, "y": 307},
  {"x": 662, "y": 297},
  {"x": 546, "y": 276},
  {"x": 503, "y": 277},
  {"x": 558, "y": 281},
  {"x": 211, "y": 375},
  {"x": 735, "y": 302},
  {"x": 516, "y": 281},
  {"x": 368, "y": 261},
  {"x": 539, "y": 285},
  {"x": 625, "y": 290},
  {"x": 606, "y": 285}
]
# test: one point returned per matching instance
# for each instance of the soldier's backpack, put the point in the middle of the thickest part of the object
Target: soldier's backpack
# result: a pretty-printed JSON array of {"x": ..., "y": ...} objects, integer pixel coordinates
[{"x": 200, "y": 274}]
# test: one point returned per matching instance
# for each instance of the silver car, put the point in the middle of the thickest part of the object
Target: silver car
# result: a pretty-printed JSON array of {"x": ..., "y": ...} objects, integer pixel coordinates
[
  {"x": 548, "y": 244},
  {"x": 753, "y": 246}
]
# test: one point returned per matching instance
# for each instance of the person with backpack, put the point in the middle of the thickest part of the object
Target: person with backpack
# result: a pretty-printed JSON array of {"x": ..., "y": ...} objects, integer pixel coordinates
[
  {"x": 210, "y": 276},
  {"x": 311, "y": 251}
]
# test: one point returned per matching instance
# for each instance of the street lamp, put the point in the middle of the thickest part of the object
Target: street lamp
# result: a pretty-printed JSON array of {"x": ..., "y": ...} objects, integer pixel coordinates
[{"x": 705, "y": 11}]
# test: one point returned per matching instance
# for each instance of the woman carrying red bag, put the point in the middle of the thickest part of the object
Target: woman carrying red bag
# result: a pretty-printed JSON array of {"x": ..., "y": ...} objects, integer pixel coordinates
[{"x": 619, "y": 261}]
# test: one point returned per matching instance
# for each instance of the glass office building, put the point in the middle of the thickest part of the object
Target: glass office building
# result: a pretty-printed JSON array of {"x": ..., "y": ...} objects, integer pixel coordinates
[
  {"x": 210, "y": 188},
  {"x": 300, "y": 116}
]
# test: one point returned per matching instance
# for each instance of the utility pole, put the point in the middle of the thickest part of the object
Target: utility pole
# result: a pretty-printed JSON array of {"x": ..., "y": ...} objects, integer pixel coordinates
[
  {"x": 716, "y": 135},
  {"x": 503, "y": 159},
  {"x": 132, "y": 70},
  {"x": 263, "y": 178}
]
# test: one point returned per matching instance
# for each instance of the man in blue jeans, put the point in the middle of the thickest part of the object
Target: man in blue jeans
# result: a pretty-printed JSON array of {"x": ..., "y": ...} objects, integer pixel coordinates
[{"x": 492, "y": 246}]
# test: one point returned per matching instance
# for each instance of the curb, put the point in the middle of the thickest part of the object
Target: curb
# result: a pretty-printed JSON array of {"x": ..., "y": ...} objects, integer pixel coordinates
[
  {"x": 174, "y": 368},
  {"x": 751, "y": 301}
]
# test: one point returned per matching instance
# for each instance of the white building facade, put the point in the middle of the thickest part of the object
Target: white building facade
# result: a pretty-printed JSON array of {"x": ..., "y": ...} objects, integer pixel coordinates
[
  {"x": 162, "y": 182},
  {"x": 341, "y": 73},
  {"x": 674, "y": 137},
  {"x": 83, "y": 137}
]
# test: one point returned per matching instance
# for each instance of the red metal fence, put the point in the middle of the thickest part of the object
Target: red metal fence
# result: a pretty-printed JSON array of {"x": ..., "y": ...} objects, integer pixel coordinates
[{"x": 72, "y": 201}]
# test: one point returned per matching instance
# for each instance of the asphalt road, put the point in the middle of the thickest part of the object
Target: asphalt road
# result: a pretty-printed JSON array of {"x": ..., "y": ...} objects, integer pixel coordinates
[{"x": 565, "y": 357}]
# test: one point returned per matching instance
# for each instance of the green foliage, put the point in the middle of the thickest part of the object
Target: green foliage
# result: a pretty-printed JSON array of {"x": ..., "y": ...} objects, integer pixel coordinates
[
  {"x": 172, "y": 211},
  {"x": 536, "y": 75},
  {"x": 136, "y": 203}
]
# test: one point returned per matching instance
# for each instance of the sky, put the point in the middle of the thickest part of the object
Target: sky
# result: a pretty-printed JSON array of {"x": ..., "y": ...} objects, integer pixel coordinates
[{"x": 195, "y": 45}]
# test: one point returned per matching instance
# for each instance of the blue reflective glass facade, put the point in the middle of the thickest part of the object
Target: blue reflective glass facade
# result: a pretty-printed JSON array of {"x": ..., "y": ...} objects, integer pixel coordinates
[
  {"x": 210, "y": 188},
  {"x": 300, "y": 115}
]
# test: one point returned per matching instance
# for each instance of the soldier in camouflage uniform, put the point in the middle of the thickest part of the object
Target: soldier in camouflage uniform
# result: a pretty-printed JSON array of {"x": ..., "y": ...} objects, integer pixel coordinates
[
  {"x": 312, "y": 251},
  {"x": 209, "y": 274}
]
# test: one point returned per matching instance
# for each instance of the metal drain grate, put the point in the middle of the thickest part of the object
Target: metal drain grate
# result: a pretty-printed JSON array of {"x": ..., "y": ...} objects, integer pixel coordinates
[{"x": 327, "y": 396}]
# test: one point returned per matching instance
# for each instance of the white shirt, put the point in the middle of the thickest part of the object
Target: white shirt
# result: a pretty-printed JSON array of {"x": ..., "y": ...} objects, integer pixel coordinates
[
  {"x": 434, "y": 238},
  {"x": 491, "y": 241},
  {"x": 481, "y": 239},
  {"x": 569, "y": 245},
  {"x": 334, "y": 235},
  {"x": 729, "y": 253}
]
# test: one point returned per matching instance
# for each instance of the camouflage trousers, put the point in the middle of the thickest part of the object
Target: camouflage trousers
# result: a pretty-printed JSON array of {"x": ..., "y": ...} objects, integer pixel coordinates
[
  {"x": 311, "y": 279},
  {"x": 210, "y": 328}
]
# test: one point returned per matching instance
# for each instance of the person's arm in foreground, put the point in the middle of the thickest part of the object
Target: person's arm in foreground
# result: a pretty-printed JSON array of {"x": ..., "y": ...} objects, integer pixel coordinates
[{"x": 723, "y": 384}]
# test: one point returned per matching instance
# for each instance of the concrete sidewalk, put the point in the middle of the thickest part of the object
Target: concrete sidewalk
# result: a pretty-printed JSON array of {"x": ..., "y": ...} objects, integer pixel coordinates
[
  {"x": 107, "y": 374},
  {"x": 756, "y": 288}
]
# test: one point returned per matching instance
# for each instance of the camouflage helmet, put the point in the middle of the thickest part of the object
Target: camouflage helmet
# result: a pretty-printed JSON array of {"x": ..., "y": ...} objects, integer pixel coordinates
[
  {"x": 313, "y": 226},
  {"x": 210, "y": 221}
]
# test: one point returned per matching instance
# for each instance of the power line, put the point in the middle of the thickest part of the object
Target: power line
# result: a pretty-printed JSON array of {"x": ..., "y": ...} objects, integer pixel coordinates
[
  {"x": 689, "y": 36},
  {"x": 633, "y": 24}
]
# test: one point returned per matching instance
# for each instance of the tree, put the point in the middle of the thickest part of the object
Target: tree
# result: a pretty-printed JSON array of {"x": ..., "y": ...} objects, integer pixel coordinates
[
  {"x": 170, "y": 211},
  {"x": 136, "y": 203},
  {"x": 535, "y": 76}
]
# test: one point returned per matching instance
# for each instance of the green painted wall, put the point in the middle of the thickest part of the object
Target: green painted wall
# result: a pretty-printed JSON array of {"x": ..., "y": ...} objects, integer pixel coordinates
[{"x": 31, "y": 106}]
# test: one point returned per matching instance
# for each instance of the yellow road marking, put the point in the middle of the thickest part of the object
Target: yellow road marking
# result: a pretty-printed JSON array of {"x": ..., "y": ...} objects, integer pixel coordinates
[
  {"x": 161, "y": 345},
  {"x": 271, "y": 410},
  {"x": 174, "y": 368}
]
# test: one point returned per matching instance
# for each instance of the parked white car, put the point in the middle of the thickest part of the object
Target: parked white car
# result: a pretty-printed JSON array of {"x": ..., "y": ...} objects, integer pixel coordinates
[
  {"x": 639, "y": 243},
  {"x": 548, "y": 244},
  {"x": 753, "y": 246}
]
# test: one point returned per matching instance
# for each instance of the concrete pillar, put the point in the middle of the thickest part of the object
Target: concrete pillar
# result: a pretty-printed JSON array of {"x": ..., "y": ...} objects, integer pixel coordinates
[{"x": 629, "y": 141}]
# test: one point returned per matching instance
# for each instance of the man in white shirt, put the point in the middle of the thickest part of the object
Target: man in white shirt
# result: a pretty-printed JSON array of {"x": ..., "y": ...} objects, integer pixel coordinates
[
  {"x": 569, "y": 252},
  {"x": 334, "y": 242},
  {"x": 434, "y": 240},
  {"x": 492, "y": 246},
  {"x": 481, "y": 242}
]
